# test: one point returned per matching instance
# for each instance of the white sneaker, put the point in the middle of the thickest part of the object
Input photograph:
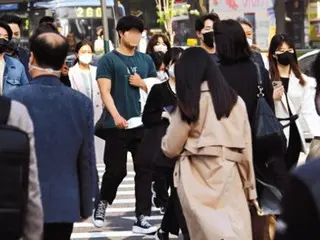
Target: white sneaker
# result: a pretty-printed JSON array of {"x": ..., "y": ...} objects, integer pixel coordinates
[{"x": 99, "y": 214}]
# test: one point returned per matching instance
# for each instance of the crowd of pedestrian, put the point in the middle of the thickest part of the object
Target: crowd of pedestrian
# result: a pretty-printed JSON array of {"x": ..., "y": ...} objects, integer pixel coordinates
[{"x": 215, "y": 133}]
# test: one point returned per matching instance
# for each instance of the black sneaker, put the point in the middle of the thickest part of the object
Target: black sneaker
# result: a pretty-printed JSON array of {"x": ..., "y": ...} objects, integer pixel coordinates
[
  {"x": 99, "y": 214},
  {"x": 161, "y": 235},
  {"x": 142, "y": 226}
]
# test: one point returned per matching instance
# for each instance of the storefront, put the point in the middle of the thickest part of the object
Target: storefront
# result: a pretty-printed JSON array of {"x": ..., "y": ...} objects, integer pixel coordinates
[
  {"x": 313, "y": 13},
  {"x": 259, "y": 12}
]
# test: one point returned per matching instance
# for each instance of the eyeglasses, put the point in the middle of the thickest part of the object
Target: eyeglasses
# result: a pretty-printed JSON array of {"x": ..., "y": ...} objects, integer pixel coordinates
[{"x": 290, "y": 50}]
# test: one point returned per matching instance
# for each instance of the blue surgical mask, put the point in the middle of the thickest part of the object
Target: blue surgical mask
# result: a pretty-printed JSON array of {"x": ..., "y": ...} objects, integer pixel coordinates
[
  {"x": 171, "y": 71},
  {"x": 162, "y": 75}
]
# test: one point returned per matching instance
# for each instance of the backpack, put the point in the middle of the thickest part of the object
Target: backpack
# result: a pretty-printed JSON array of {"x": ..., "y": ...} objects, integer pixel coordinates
[{"x": 14, "y": 175}]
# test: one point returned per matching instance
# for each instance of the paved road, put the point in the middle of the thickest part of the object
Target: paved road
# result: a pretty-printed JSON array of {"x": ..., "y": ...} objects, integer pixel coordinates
[{"x": 120, "y": 216}]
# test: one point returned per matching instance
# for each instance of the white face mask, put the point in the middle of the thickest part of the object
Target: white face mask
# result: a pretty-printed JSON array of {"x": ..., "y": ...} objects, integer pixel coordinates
[
  {"x": 171, "y": 71},
  {"x": 160, "y": 48},
  {"x": 162, "y": 75},
  {"x": 85, "y": 58},
  {"x": 250, "y": 41},
  {"x": 48, "y": 70}
]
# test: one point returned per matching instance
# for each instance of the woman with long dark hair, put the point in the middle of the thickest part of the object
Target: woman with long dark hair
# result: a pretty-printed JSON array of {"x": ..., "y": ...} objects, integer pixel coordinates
[
  {"x": 300, "y": 214},
  {"x": 294, "y": 95},
  {"x": 210, "y": 132},
  {"x": 241, "y": 73},
  {"x": 158, "y": 60},
  {"x": 158, "y": 43}
]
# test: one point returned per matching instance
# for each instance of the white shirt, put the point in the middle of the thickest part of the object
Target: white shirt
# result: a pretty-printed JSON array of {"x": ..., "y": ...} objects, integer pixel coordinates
[
  {"x": 2, "y": 66},
  {"x": 137, "y": 121}
]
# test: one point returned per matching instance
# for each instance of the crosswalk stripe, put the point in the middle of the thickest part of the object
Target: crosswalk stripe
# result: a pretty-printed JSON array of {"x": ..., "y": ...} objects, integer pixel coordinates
[
  {"x": 125, "y": 209},
  {"x": 151, "y": 218},
  {"x": 87, "y": 235},
  {"x": 123, "y": 201},
  {"x": 126, "y": 186},
  {"x": 130, "y": 192},
  {"x": 102, "y": 170},
  {"x": 128, "y": 179},
  {"x": 92, "y": 235},
  {"x": 122, "y": 210},
  {"x": 90, "y": 225},
  {"x": 123, "y": 185}
]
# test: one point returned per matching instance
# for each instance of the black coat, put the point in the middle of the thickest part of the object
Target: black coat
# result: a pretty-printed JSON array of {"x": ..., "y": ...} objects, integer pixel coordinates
[
  {"x": 242, "y": 77},
  {"x": 159, "y": 97}
]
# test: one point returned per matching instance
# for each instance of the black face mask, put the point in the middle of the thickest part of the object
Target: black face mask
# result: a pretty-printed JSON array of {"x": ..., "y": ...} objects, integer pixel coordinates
[
  {"x": 208, "y": 39},
  {"x": 13, "y": 44},
  {"x": 285, "y": 58},
  {"x": 3, "y": 45}
]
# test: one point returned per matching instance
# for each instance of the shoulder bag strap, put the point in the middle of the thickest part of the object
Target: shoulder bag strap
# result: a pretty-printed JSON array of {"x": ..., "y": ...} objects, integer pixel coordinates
[
  {"x": 5, "y": 105},
  {"x": 259, "y": 80},
  {"x": 119, "y": 57}
]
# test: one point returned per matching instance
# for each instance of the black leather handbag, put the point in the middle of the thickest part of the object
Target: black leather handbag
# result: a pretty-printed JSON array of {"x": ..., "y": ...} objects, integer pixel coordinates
[{"x": 268, "y": 135}]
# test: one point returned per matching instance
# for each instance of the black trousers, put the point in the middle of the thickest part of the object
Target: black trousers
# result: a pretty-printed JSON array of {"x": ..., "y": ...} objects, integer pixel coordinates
[
  {"x": 162, "y": 180},
  {"x": 294, "y": 147},
  {"x": 118, "y": 143},
  {"x": 55, "y": 231},
  {"x": 173, "y": 219}
]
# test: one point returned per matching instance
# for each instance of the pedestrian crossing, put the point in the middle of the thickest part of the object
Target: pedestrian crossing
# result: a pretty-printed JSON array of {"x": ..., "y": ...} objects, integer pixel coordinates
[{"x": 120, "y": 217}]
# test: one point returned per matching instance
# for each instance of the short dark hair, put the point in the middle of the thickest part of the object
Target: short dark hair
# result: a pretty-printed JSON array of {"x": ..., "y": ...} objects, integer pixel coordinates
[
  {"x": 244, "y": 21},
  {"x": 49, "y": 49},
  {"x": 5, "y": 26},
  {"x": 157, "y": 58},
  {"x": 82, "y": 43},
  {"x": 79, "y": 45},
  {"x": 231, "y": 42},
  {"x": 199, "y": 25},
  {"x": 190, "y": 74},
  {"x": 153, "y": 41},
  {"x": 129, "y": 22},
  {"x": 46, "y": 27},
  {"x": 46, "y": 19},
  {"x": 11, "y": 19}
]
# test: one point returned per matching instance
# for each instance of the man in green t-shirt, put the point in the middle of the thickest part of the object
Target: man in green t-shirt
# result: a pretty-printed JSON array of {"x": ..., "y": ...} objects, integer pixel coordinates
[{"x": 120, "y": 77}]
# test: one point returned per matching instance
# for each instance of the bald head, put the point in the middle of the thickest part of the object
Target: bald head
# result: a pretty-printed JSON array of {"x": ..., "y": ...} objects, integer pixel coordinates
[
  {"x": 53, "y": 39},
  {"x": 49, "y": 49}
]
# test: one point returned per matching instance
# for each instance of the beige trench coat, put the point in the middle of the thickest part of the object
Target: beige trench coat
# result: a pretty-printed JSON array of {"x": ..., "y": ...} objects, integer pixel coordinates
[{"x": 214, "y": 175}]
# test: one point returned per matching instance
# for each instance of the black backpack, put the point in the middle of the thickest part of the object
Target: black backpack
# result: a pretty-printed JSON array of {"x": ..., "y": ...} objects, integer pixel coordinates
[{"x": 14, "y": 175}]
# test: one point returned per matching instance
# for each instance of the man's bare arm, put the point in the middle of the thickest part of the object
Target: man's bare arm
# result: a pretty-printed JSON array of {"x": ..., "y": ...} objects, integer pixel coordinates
[{"x": 105, "y": 90}]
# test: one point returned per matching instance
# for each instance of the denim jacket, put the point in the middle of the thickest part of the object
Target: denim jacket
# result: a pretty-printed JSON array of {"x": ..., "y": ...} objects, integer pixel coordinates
[{"x": 14, "y": 75}]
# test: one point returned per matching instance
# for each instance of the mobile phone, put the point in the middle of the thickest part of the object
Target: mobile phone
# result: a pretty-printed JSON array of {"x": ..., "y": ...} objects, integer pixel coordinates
[
  {"x": 69, "y": 63},
  {"x": 276, "y": 84}
]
